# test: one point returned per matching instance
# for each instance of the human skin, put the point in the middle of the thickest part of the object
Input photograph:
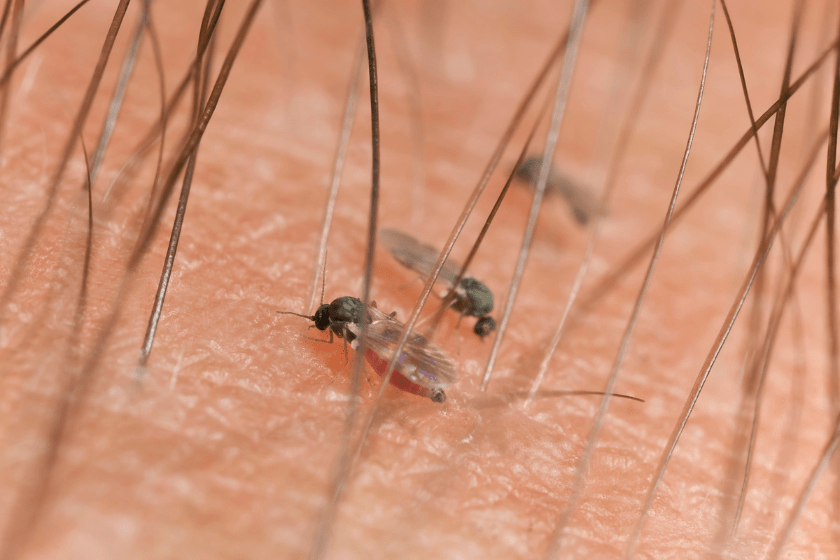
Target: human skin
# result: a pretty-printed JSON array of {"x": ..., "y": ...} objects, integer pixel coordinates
[{"x": 227, "y": 448}]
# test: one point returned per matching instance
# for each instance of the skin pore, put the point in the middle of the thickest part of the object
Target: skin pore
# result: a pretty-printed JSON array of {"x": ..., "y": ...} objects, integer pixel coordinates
[{"x": 227, "y": 447}]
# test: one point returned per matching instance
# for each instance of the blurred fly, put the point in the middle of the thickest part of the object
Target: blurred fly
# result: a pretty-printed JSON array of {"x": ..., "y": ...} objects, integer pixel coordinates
[
  {"x": 471, "y": 297},
  {"x": 422, "y": 369},
  {"x": 581, "y": 202}
]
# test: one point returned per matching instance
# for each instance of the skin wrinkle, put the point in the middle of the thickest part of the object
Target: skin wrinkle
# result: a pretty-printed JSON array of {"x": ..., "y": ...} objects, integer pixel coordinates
[{"x": 233, "y": 461}]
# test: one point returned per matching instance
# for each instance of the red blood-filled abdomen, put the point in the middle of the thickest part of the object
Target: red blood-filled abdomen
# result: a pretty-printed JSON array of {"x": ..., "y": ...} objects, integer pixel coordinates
[{"x": 398, "y": 380}]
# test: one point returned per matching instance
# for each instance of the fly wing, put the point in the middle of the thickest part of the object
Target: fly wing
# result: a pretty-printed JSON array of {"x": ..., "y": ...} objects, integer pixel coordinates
[
  {"x": 420, "y": 361},
  {"x": 417, "y": 256}
]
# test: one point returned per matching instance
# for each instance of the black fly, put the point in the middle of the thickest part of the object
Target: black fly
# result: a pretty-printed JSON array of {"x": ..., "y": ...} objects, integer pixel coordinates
[
  {"x": 471, "y": 297},
  {"x": 580, "y": 200},
  {"x": 422, "y": 368}
]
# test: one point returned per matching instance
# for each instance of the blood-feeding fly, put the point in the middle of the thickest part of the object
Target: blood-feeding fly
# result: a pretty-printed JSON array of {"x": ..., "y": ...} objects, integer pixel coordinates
[
  {"x": 422, "y": 368},
  {"x": 582, "y": 203},
  {"x": 471, "y": 297}
]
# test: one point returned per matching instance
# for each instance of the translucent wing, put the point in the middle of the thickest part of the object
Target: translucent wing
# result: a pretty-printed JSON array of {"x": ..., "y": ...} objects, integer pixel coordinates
[
  {"x": 417, "y": 256},
  {"x": 421, "y": 361}
]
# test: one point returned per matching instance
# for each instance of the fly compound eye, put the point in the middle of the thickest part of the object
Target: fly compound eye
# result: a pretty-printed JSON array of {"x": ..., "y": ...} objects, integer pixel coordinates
[
  {"x": 484, "y": 326},
  {"x": 322, "y": 318}
]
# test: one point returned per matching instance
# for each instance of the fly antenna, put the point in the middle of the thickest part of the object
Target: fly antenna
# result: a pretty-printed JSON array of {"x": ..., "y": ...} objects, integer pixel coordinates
[{"x": 310, "y": 317}]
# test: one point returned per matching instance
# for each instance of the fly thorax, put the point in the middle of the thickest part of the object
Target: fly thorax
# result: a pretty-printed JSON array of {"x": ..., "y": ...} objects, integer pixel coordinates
[
  {"x": 347, "y": 309},
  {"x": 478, "y": 296}
]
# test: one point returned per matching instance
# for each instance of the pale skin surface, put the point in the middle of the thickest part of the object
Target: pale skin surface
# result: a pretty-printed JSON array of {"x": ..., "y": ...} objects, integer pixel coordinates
[{"x": 228, "y": 448}]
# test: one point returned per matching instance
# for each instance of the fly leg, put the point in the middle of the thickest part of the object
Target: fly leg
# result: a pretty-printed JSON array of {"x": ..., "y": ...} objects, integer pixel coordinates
[
  {"x": 458, "y": 331},
  {"x": 317, "y": 339},
  {"x": 347, "y": 362}
]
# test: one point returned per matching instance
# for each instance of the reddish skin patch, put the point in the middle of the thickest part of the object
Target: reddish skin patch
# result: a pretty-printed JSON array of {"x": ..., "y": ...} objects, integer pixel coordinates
[{"x": 398, "y": 380}]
